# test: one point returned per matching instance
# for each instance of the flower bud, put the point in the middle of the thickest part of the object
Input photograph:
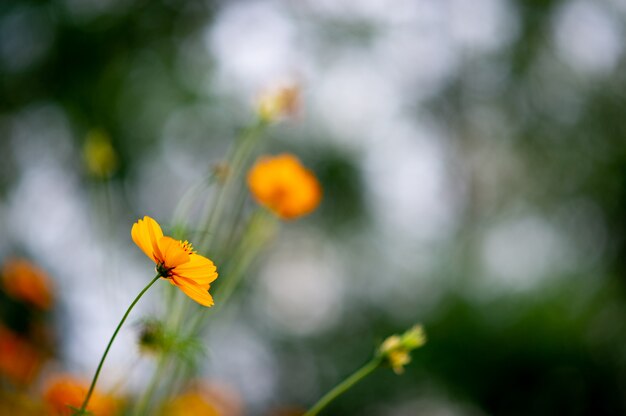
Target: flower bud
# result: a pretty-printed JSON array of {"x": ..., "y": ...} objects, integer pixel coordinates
[
  {"x": 99, "y": 154},
  {"x": 279, "y": 103},
  {"x": 396, "y": 350}
]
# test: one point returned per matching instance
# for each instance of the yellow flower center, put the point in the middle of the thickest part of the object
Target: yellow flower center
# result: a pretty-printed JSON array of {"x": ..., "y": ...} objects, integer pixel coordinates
[{"x": 186, "y": 245}]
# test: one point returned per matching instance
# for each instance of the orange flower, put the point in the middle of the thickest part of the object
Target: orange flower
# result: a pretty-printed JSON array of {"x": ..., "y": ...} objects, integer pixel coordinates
[
  {"x": 65, "y": 392},
  {"x": 20, "y": 361},
  {"x": 24, "y": 281},
  {"x": 284, "y": 186},
  {"x": 176, "y": 261}
]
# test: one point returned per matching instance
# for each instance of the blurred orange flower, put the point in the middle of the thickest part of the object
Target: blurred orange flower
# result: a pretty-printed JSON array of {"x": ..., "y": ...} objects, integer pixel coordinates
[
  {"x": 64, "y": 392},
  {"x": 24, "y": 281},
  {"x": 176, "y": 261},
  {"x": 20, "y": 361},
  {"x": 284, "y": 186}
]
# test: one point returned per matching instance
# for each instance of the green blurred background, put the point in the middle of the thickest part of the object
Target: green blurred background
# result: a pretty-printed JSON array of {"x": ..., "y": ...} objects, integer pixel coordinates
[{"x": 473, "y": 160}]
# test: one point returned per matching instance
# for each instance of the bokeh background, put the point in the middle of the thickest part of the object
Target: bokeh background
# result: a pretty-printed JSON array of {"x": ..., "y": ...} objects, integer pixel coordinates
[{"x": 473, "y": 160}]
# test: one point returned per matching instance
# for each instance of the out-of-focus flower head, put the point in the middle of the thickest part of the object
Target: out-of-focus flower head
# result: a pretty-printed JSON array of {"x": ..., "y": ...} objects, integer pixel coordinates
[
  {"x": 155, "y": 338},
  {"x": 99, "y": 154},
  {"x": 152, "y": 338},
  {"x": 205, "y": 400},
  {"x": 20, "y": 361},
  {"x": 278, "y": 103},
  {"x": 192, "y": 403},
  {"x": 222, "y": 171},
  {"x": 26, "y": 282},
  {"x": 64, "y": 393},
  {"x": 19, "y": 404},
  {"x": 396, "y": 350},
  {"x": 176, "y": 261},
  {"x": 284, "y": 186}
]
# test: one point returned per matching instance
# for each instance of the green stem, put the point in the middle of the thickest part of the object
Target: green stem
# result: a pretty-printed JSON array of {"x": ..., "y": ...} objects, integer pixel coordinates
[
  {"x": 142, "y": 406},
  {"x": 185, "y": 203},
  {"x": 251, "y": 243},
  {"x": 106, "y": 351},
  {"x": 236, "y": 161},
  {"x": 344, "y": 386}
]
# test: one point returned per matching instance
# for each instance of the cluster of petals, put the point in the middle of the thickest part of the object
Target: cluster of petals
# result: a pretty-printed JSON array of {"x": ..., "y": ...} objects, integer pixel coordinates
[
  {"x": 176, "y": 261},
  {"x": 284, "y": 186}
]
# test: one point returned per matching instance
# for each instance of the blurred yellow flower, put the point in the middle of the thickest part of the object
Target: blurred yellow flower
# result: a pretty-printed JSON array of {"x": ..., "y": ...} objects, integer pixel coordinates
[
  {"x": 192, "y": 403},
  {"x": 283, "y": 185},
  {"x": 205, "y": 399},
  {"x": 99, "y": 154},
  {"x": 396, "y": 349},
  {"x": 26, "y": 282},
  {"x": 20, "y": 360},
  {"x": 16, "y": 403},
  {"x": 64, "y": 392},
  {"x": 280, "y": 102},
  {"x": 176, "y": 261}
]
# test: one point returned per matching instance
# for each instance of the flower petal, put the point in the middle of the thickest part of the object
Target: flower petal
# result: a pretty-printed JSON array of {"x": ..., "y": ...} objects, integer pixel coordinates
[
  {"x": 196, "y": 292},
  {"x": 199, "y": 269},
  {"x": 172, "y": 253},
  {"x": 146, "y": 234}
]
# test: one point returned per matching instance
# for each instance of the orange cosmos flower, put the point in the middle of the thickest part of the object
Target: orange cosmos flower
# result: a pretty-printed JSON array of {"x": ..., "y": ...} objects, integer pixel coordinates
[
  {"x": 65, "y": 392},
  {"x": 176, "y": 261},
  {"x": 24, "y": 281},
  {"x": 284, "y": 186}
]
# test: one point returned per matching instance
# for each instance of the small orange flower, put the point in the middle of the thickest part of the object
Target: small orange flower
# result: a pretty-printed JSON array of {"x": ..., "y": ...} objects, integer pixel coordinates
[
  {"x": 65, "y": 392},
  {"x": 176, "y": 261},
  {"x": 284, "y": 186},
  {"x": 24, "y": 281},
  {"x": 20, "y": 361}
]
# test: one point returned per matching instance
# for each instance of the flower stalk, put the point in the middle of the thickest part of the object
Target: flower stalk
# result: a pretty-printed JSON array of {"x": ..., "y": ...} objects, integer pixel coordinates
[
  {"x": 395, "y": 352},
  {"x": 235, "y": 163},
  {"x": 345, "y": 385},
  {"x": 83, "y": 407}
]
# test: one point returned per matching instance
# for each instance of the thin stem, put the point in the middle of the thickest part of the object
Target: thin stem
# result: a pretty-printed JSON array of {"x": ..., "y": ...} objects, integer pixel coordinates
[
  {"x": 142, "y": 406},
  {"x": 106, "y": 351},
  {"x": 252, "y": 241},
  {"x": 344, "y": 386},
  {"x": 236, "y": 160}
]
